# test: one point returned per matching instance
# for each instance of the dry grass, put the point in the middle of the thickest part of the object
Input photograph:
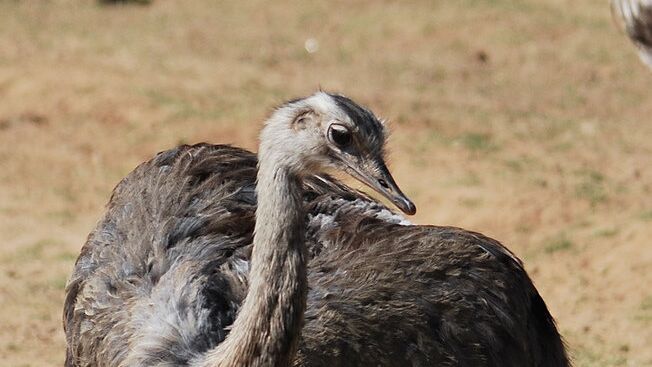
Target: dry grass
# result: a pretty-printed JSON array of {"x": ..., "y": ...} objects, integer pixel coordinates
[{"x": 528, "y": 120}]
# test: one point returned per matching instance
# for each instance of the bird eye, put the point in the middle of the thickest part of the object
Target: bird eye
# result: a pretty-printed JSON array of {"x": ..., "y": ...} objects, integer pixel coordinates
[{"x": 340, "y": 135}]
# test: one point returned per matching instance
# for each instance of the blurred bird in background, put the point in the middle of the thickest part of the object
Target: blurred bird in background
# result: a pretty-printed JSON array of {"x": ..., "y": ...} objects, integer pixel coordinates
[{"x": 635, "y": 17}]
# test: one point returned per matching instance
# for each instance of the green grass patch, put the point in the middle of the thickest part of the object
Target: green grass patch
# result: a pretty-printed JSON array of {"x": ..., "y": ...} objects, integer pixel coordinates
[
  {"x": 584, "y": 357},
  {"x": 514, "y": 165},
  {"x": 64, "y": 216},
  {"x": 427, "y": 140},
  {"x": 67, "y": 256},
  {"x": 35, "y": 251},
  {"x": 477, "y": 142},
  {"x": 606, "y": 232},
  {"x": 559, "y": 243},
  {"x": 522, "y": 163},
  {"x": 59, "y": 282},
  {"x": 540, "y": 182},
  {"x": 591, "y": 187},
  {"x": 644, "y": 313},
  {"x": 470, "y": 202},
  {"x": 646, "y": 215},
  {"x": 124, "y": 2},
  {"x": 646, "y": 305},
  {"x": 470, "y": 179},
  {"x": 523, "y": 228},
  {"x": 183, "y": 108}
]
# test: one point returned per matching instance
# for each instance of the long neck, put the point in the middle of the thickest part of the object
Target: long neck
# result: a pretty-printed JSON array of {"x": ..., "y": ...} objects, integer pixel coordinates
[{"x": 266, "y": 331}]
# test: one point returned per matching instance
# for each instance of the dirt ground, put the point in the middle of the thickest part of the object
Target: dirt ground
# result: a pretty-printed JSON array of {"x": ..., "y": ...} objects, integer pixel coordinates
[{"x": 527, "y": 120}]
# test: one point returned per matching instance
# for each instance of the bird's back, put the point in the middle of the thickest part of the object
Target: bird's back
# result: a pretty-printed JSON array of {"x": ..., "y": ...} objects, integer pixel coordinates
[
  {"x": 423, "y": 296},
  {"x": 411, "y": 295}
]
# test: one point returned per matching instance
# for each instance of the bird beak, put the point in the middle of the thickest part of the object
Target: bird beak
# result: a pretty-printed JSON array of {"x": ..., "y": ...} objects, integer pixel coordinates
[{"x": 376, "y": 175}]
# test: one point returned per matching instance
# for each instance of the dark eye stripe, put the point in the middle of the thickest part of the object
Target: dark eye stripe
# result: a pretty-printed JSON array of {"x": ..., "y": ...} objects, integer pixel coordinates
[{"x": 361, "y": 117}]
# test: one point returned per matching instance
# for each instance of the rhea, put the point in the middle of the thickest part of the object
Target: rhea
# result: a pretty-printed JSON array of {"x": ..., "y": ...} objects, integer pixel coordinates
[
  {"x": 635, "y": 16},
  {"x": 209, "y": 257}
]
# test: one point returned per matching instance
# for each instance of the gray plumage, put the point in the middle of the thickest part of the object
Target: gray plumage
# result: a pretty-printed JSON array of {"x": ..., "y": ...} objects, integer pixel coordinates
[
  {"x": 635, "y": 16},
  {"x": 161, "y": 279}
]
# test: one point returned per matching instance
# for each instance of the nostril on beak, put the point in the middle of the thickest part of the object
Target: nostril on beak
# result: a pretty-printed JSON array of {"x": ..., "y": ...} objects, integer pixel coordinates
[{"x": 383, "y": 183}]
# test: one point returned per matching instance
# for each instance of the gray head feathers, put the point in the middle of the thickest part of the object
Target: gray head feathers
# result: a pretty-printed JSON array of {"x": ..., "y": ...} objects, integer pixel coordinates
[
  {"x": 369, "y": 132},
  {"x": 329, "y": 131}
]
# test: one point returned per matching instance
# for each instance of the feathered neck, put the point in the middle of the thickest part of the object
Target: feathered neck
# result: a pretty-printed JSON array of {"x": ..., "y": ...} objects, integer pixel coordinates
[{"x": 266, "y": 331}]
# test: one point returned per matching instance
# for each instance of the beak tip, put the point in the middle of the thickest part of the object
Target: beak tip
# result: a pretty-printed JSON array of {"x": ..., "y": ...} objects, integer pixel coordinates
[
  {"x": 408, "y": 208},
  {"x": 412, "y": 211}
]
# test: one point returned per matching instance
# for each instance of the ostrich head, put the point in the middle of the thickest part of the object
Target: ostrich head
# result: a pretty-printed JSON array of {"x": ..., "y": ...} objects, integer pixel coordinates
[{"x": 326, "y": 131}]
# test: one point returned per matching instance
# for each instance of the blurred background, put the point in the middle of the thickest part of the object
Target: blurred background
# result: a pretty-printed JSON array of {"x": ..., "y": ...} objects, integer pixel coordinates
[{"x": 527, "y": 120}]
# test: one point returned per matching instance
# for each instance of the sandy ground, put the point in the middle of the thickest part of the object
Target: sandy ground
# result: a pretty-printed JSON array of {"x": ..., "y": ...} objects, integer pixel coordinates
[{"x": 527, "y": 120}]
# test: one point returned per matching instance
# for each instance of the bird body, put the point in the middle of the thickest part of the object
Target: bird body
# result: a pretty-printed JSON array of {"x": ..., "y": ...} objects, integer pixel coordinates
[{"x": 165, "y": 277}]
